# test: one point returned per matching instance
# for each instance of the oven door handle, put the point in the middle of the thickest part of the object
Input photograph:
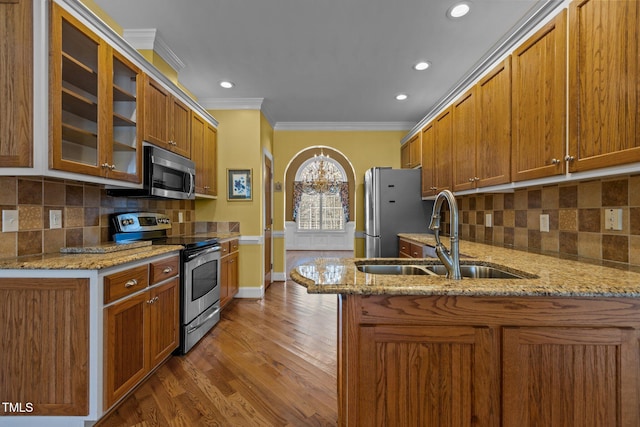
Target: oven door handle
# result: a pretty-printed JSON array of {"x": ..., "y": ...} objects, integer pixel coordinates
[
  {"x": 195, "y": 328},
  {"x": 203, "y": 252}
]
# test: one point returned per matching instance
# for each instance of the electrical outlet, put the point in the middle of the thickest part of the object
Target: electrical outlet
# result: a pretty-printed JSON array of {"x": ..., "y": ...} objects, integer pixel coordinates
[
  {"x": 488, "y": 221},
  {"x": 55, "y": 218},
  {"x": 180, "y": 217},
  {"x": 544, "y": 223},
  {"x": 9, "y": 220},
  {"x": 613, "y": 219}
]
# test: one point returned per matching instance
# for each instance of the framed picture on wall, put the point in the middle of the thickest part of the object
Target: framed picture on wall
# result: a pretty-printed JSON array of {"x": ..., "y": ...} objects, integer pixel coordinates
[{"x": 239, "y": 184}]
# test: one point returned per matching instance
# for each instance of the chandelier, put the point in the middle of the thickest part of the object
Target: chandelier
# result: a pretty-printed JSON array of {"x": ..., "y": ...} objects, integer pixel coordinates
[{"x": 321, "y": 176}]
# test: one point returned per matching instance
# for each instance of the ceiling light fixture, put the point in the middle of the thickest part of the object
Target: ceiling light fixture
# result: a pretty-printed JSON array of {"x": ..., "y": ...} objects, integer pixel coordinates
[
  {"x": 458, "y": 10},
  {"x": 421, "y": 66},
  {"x": 227, "y": 84},
  {"x": 401, "y": 96}
]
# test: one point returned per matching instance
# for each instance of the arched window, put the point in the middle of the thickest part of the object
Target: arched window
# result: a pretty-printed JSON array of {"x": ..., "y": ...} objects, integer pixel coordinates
[{"x": 321, "y": 195}]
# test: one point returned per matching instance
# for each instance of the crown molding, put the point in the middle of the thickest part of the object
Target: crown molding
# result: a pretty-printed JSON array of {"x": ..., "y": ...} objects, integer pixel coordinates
[
  {"x": 231, "y": 103},
  {"x": 149, "y": 39},
  {"x": 345, "y": 126}
]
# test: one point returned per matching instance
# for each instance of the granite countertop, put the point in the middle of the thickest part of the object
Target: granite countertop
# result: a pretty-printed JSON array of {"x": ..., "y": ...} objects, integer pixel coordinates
[
  {"x": 85, "y": 261},
  {"x": 547, "y": 275}
]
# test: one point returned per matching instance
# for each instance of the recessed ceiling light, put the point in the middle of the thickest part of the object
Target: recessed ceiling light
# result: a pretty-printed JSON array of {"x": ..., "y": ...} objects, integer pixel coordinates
[
  {"x": 401, "y": 96},
  {"x": 458, "y": 10},
  {"x": 421, "y": 66},
  {"x": 227, "y": 84}
]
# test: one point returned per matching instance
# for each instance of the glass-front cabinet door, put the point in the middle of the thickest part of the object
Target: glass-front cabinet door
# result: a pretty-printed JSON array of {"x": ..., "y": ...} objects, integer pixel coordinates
[
  {"x": 125, "y": 135},
  {"x": 93, "y": 103}
]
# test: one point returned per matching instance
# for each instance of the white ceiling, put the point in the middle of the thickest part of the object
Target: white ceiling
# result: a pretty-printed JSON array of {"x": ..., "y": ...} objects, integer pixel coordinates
[{"x": 328, "y": 60}]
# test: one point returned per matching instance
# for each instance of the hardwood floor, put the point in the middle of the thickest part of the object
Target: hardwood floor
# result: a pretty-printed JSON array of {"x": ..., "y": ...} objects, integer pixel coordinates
[{"x": 268, "y": 362}]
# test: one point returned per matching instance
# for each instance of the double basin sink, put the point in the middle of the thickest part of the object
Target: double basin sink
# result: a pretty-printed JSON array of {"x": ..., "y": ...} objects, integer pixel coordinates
[{"x": 473, "y": 271}]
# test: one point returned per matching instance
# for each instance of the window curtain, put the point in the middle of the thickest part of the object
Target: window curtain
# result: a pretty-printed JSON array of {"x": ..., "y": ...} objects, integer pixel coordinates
[
  {"x": 344, "y": 199},
  {"x": 297, "y": 195}
]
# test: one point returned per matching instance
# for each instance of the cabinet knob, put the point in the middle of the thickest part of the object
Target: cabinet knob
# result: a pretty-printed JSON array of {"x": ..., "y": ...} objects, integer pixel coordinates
[
  {"x": 112, "y": 167},
  {"x": 105, "y": 165},
  {"x": 433, "y": 188},
  {"x": 555, "y": 161},
  {"x": 167, "y": 270},
  {"x": 475, "y": 178},
  {"x": 569, "y": 158},
  {"x": 131, "y": 283},
  {"x": 471, "y": 179}
]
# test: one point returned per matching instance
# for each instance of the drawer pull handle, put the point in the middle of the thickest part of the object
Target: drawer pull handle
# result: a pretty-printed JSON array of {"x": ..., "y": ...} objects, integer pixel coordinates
[
  {"x": 152, "y": 300},
  {"x": 131, "y": 283},
  {"x": 167, "y": 270}
]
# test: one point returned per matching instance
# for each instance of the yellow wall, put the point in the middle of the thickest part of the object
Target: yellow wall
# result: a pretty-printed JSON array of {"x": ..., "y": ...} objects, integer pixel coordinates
[
  {"x": 364, "y": 149},
  {"x": 240, "y": 141},
  {"x": 100, "y": 13}
]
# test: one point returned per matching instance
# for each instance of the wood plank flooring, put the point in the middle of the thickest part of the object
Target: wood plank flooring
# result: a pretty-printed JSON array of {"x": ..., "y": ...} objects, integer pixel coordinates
[{"x": 268, "y": 362}]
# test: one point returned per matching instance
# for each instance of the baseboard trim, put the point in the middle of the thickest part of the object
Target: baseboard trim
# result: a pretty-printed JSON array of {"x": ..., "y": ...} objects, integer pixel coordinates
[
  {"x": 279, "y": 277},
  {"x": 250, "y": 292}
]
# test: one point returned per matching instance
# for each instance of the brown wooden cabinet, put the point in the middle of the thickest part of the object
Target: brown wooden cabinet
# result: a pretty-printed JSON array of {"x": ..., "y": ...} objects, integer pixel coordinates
[
  {"x": 604, "y": 83},
  {"x": 94, "y": 104},
  {"x": 428, "y": 161},
  {"x": 539, "y": 103},
  {"x": 229, "y": 271},
  {"x": 16, "y": 84},
  {"x": 465, "y": 142},
  {"x": 490, "y": 361},
  {"x": 167, "y": 120},
  {"x": 493, "y": 157},
  {"x": 442, "y": 152},
  {"x": 45, "y": 344},
  {"x": 204, "y": 148},
  {"x": 141, "y": 330},
  {"x": 411, "y": 152},
  {"x": 407, "y": 249}
]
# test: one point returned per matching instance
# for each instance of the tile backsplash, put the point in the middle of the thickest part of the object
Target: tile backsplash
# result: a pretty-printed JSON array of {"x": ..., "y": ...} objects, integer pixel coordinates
[
  {"x": 85, "y": 214},
  {"x": 576, "y": 219}
]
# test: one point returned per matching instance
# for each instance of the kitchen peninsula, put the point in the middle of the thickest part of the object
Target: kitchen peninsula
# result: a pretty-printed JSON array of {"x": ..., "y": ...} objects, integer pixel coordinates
[{"x": 558, "y": 346}]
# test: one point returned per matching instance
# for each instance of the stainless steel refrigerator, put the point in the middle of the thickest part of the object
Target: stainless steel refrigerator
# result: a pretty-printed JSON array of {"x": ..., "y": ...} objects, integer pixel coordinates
[{"x": 392, "y": 205}]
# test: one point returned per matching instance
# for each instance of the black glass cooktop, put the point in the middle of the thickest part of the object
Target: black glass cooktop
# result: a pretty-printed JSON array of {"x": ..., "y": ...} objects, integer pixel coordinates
[{"x": 188, "y": 242}]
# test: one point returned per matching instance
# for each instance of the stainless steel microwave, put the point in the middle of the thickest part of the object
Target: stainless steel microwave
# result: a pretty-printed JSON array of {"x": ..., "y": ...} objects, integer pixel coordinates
[{"x": 166, "y": 175}]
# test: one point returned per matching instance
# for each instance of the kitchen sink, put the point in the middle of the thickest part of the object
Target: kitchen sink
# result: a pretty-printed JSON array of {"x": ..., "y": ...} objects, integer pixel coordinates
[
  {"x": 472, "y": 271},
  {"x": 477, "y": 272},
  {"x": 395, "y": 269}
]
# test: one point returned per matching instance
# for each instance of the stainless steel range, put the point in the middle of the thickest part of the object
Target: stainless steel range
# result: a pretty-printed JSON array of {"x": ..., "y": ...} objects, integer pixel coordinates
[{"x": 200, "y": 270}]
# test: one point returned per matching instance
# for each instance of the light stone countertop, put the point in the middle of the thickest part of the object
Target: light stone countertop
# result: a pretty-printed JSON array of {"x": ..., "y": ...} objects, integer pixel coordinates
[
  {"x": 551, "y": 276},
  {"x": 85, "y": 261}
]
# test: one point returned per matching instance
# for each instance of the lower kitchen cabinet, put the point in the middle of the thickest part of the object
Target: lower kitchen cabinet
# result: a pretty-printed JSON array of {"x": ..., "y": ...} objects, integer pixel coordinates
[
  {"x": 407, "y": 249},
  {"x": 141, "y": 331},
  {"x": 490, "y": 361},
  {"x": 229, "y": 272},
  {"x": 45, "y": 346}
]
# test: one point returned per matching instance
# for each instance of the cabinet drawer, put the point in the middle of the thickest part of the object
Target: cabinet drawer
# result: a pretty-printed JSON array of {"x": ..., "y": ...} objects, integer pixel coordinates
[
  {"x": 123, "y": 283},
  {"x": 164, "y": 269},
  {"x": 404, "y": 249},
  {"x": 225, "y": 248},
  {"x": 416, "y": 251},
  {"x": 233, "y": 245}
]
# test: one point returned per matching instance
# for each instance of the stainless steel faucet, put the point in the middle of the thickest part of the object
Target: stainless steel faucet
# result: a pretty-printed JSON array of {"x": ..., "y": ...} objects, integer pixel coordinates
[{"x": 451, "y": 260}]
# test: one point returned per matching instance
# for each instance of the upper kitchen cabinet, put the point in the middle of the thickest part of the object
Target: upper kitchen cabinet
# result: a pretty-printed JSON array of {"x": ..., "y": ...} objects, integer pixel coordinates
[
  {"x": 442, "y": 155},
  {"x": 167, "y": 120},
  {"x": 428, "y": 162},
  {"x": 604, "y": 83},
  {"x": 411, "y": 152},
  {"x": 204, "y": 153},
  {"x": 493, "y": 157},
  {"x": 465, "y": 141},
  {"x": 16, "y": 83},
  {"x": 94, "y": 93},
  {"x": 539, "y": 103}
]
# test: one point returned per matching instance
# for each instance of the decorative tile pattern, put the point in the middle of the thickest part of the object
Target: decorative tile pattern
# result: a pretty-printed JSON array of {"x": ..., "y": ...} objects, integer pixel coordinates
[
  {"x": 85, "y": 214},
  {"x": 576, "y": 219}
]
